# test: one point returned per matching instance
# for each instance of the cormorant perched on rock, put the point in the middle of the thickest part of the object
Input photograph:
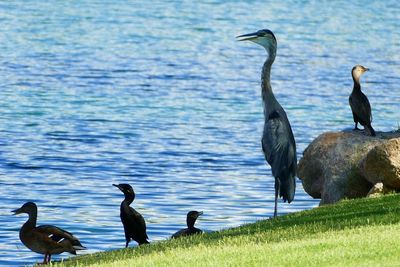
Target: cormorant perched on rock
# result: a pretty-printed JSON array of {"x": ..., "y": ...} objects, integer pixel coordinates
[
  {"x": 277, "y": 141},
  {"x": 359, "y": 102},
  {"x": 190, "y": 220},
  {"x": 45, "y": 239},
  {"x": 133, "y": 221}
]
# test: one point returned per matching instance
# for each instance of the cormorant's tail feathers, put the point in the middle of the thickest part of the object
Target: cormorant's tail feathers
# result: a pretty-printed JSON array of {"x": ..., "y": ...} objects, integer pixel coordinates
[{"x": 370, "y": 130}]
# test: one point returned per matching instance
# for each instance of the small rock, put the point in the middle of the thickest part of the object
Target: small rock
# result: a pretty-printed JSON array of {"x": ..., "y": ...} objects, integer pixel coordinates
[{"x": 376, "y": 190}]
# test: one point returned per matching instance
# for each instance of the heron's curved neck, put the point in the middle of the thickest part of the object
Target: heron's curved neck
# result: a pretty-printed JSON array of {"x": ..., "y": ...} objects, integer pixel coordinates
[{"x": 266, "y": 89}]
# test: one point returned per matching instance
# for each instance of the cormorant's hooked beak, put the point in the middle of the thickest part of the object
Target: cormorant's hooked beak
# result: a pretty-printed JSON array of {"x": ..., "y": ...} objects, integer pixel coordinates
[
  {"x": 17, "y": 211},
  {"x": 199, "y": 213},
  {"x": 248, "y": 37},
  {"x": 117, "y": 186},
  {"x": 365, "y": 69}
]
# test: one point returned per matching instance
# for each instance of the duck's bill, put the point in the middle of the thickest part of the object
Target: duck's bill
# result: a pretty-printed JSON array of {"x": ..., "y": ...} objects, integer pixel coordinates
[
  {"x": 247, "y": 37},
  {"x": 16, "y": 211}
]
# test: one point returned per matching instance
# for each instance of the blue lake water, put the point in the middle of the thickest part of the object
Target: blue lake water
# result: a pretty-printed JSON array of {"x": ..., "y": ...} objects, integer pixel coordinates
[{"x": 160, "y": 95}]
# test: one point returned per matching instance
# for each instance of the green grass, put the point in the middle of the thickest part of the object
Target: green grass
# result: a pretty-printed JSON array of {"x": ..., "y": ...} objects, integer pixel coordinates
[{"x": 362, "y": 232}]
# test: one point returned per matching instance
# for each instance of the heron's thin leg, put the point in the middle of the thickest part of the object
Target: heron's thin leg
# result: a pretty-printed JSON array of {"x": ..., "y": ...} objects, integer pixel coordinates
[
  {"x": 127, "y": 242},
  {"x": 276, "y": 197},
  {"x": 49, "y": 258},
  {"x": 45, "y": 259}
]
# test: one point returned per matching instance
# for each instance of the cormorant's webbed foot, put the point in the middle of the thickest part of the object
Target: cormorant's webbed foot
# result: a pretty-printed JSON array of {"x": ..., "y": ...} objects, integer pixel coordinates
[{"x": 356, "y": 127}]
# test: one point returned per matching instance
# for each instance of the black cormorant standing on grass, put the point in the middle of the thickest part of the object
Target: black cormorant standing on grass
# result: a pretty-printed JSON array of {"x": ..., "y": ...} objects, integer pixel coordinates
[
  {"x": 133, "y": 221},
  {"x": 277, "y": 141},
  {"x": 359, "y": 102},
  {"x": 190, "y": 220},
  {"x": 45, "y": 239}
]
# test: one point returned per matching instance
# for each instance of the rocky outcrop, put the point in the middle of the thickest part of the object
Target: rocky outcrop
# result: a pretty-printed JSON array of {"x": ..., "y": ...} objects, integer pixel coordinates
[{"x": 339, "y": 165}]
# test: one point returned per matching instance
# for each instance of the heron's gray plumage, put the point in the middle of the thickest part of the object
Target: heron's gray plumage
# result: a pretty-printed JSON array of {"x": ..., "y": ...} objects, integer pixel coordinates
[
  {"x": 280, "y": 152},
  {"x": 277, "y": 141}
]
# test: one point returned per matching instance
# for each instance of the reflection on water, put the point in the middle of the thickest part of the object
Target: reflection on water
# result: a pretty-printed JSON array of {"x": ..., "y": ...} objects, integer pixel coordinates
[{"x": 162, "y": 96}]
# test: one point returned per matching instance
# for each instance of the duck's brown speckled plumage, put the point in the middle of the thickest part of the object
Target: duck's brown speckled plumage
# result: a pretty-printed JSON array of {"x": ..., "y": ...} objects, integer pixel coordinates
[{"x": 45, "y": 239}]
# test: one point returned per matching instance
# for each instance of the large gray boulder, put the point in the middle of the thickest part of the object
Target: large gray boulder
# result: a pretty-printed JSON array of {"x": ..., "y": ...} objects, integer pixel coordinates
[{"x": 339, "y": 165}]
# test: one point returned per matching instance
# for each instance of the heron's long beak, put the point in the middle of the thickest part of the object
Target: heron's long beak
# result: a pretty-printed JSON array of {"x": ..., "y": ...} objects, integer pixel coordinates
[
  {"x": 248, "y": 37},
  {"x": 17, "y": 211}
]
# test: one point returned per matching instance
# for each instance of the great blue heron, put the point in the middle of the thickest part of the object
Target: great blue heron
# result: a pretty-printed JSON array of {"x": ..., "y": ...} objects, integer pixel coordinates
[
  {"x": 359, "y": 102},
  {"x": 45, "y": 239},
  {"x": 277, "y": 141},
  {"x": 133, "y": 221}
]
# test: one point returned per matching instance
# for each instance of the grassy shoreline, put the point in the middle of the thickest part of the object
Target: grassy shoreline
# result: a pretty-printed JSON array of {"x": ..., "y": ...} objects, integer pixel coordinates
[{"x": 350, "y": 233}]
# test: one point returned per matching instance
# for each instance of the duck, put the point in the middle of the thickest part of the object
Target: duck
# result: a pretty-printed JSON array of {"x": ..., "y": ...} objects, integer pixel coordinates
[
  {"x": 191, "y": 218},
  {"x": 133, "y": 222},
  {"x": 45, "y": 239}
]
